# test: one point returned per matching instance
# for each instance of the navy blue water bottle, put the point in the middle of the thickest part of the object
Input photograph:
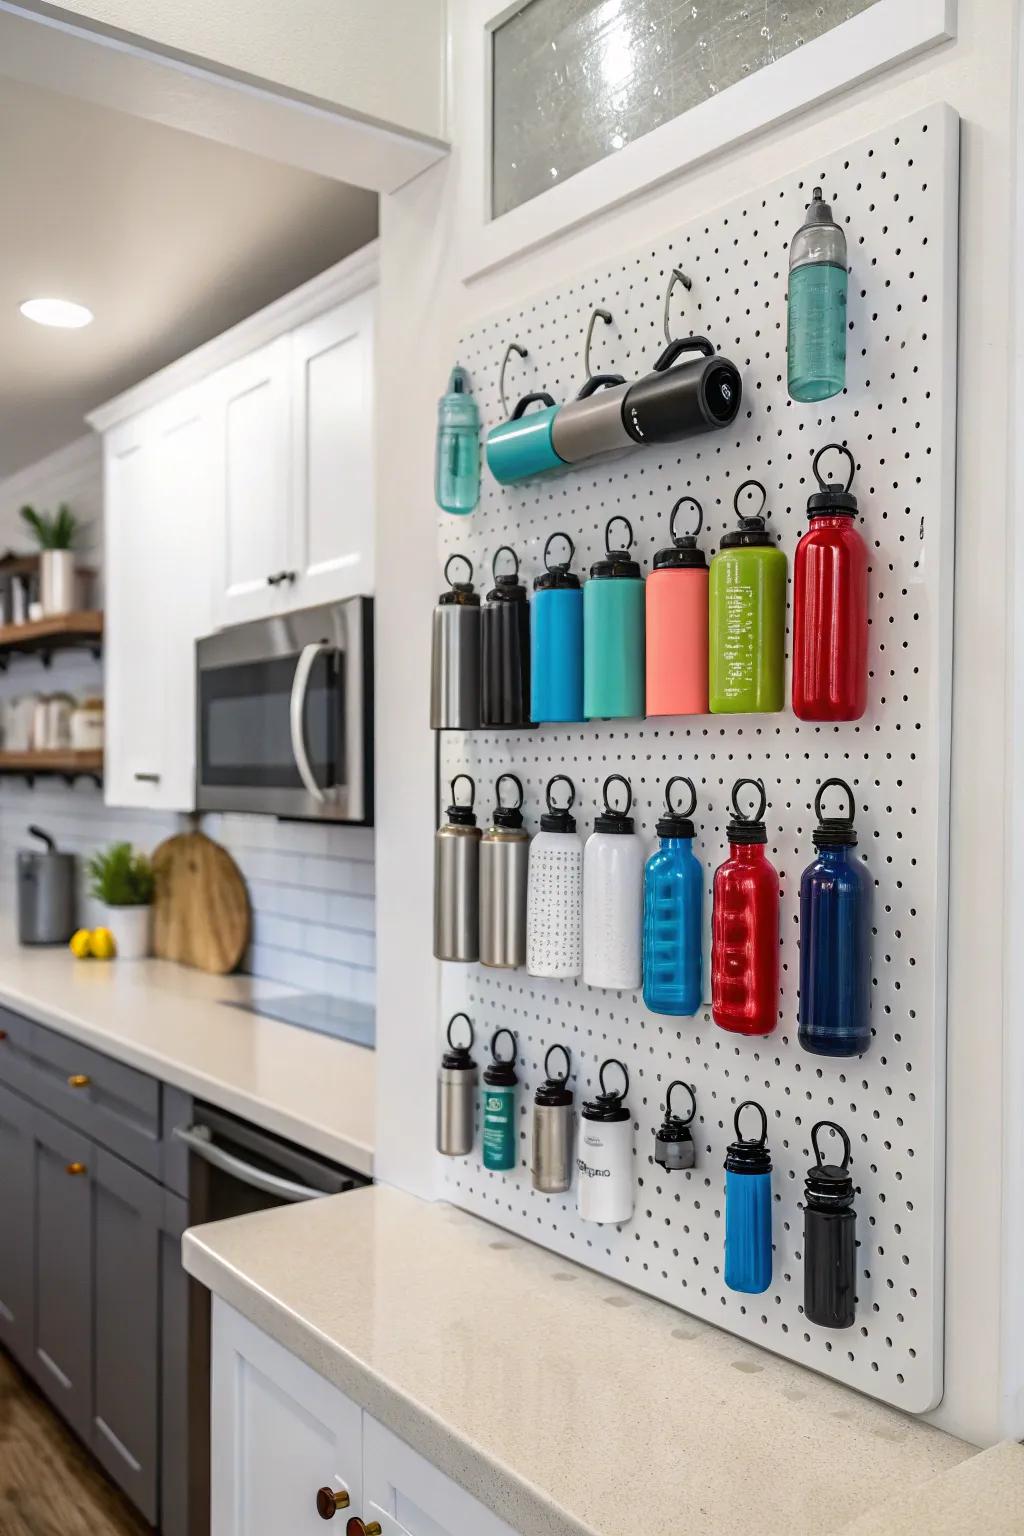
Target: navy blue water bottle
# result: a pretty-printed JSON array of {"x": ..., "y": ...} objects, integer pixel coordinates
[
  {"x": 835, "y": 938},
  {"x": 748, "y": 1209},
  {"x": 556, "y": 629}
]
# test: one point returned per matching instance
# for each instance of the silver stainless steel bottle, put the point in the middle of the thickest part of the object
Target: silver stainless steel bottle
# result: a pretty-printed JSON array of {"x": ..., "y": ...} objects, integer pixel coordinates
[
  {"x": 554, "y": 1126},
  {"x": 673, "y": 1143},
  {"x": 456, "y": 1094},
  {"x": 455, "y": 655},
  {"x": 504, "y": 863},
  {"x": 457, "y": 881}
]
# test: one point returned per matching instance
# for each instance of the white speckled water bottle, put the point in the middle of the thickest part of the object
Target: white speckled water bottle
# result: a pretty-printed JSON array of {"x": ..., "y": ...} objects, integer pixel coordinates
[
  {"x": 554, "y": 902},
  {"x": 613, "y": 884}
]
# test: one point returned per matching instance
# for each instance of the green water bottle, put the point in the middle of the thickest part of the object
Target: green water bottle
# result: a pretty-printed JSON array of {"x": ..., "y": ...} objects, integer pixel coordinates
[
  {"x": 500, "y": 1081},
  {"x": 747, "y": 617},
  {"x": 816, "y": 343}
]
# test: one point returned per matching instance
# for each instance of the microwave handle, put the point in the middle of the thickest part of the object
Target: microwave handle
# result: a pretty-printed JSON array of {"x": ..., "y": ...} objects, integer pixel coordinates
[
  {"x": 300, "y": 683},
  {"x": 197, "y": 1139}
]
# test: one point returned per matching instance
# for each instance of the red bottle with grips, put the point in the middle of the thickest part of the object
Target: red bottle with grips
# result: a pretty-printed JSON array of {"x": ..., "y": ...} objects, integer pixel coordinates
[
  {"x": 745, "y": 927},
  {"x": 830, "y": 606}
]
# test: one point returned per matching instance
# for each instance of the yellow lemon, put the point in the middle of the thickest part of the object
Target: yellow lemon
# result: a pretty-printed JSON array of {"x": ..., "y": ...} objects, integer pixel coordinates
[
  {"x": 81, "y": 944},
  {"x": 101, "y": 943}
]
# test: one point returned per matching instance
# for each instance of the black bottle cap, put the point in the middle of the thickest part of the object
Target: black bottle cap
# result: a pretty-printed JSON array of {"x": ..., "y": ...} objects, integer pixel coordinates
[
  {"x": 677, "y": 823},
  {"x": 617, "y": 562},
  {"x": 557, "y": 818},
  {"x": 457, "y": 1058},
  {"x": 751, "y": 531},
  {"x": 507, "y": 587},
  {"x": 459, "y": 592},
  {"x": 555, "y": 1092},
  {"x": 611, "y": 820},
  {"x": 833, "y": 499},
  {"x": 749, "y": 1156},
  {"x": 501, "y": 1071},
  {"x": 462, "y": 815},
  {"x": 743, "y": 828},
  {"x": 834, "y": 831},
  {"x": 682, "y": 553},
  {"x": 608, "y": 1106},
  {"x": 558, "y": 575},
  {"x": 830, "y": 1184},
  {"x": 507, "y": 815}
]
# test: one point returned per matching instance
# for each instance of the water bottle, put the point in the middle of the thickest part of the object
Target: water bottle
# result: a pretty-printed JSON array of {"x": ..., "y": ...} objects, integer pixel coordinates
[
  {"x": 504, "y": 860},
  {"x": 554, "y": 1122},
  {"x": 613, "y": 634},
  {"x": 505, "y": 648},
  {"x": 613, "y": 878},
  {"x": 499, "y": 1106},
  {"x": 816, "y": 314},
  {"x": 521, "y": 446},
  {"x": 830, "y": 605},
  {"x": 457, "y": 461},
  {"x": 456, "y": 1094},
  {"x": 605, "y": 1158},
  {"x": 830, "y": 1238},
  {"x": 677, "y": 623},
  {"x": 591, "y": 425},
  {"x": 673, "y": 913},
  {"x": 673, "y": 1143},
  {"x": 554, "y": 898},
  {"x": 455, "y": 655},
  {"x": 835, "y": 938},
  {"x": 556, "y": 634},
  {"x": 745, "y": 927},
  {"x": 682, "y": 399},
  {"x": 748, "y": 1209},
  {"x": 747, "y": 617},
  {"x": 457, "y": 880}
]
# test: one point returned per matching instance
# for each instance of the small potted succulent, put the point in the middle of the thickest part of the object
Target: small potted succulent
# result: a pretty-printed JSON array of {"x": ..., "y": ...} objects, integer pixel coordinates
[
  {"x": 123, "y": 881},
  {"x": 55, "y": 533}
]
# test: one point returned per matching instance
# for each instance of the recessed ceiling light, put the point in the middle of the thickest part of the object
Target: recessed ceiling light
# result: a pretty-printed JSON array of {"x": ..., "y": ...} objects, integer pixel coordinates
[{"x": 61, "y": 312}]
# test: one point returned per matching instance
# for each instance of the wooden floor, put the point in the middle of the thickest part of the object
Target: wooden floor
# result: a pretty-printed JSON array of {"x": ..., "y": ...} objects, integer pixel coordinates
[{"x": 49, "y": 1485}]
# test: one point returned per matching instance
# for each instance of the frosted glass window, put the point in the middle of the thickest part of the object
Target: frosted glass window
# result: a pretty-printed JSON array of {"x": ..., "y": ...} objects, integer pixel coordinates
[{"x": 576, "y": 80}]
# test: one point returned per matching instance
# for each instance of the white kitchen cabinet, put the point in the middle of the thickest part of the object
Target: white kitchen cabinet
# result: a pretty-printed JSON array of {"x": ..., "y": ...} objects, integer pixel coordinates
[{"x": 408, "y": 1496}]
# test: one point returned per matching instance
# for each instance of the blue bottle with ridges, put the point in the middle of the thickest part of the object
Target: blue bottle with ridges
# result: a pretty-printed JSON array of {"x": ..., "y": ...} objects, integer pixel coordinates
[
  {"x": 673, "y": 913},
  {"x": 835, "y": 938},
  {"x": 556, "y": 640},
  {"x": 748, "y": 1209}
]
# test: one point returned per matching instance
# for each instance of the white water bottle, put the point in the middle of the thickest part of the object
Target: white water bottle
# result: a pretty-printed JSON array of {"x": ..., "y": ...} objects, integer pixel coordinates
[
  {"x": 604, "y": 1159},
  {"x": 554, "y": 902},
  {"x": 613, "y": 898}
]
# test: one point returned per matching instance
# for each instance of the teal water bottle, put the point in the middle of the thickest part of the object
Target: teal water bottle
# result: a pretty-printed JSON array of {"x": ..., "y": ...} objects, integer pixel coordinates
[
  {"x": 816, "y": 343},
  {"x": 500, "y": 1081},
  {"x": 613, "y": 634},
  {"x": 457, "y": 464}
]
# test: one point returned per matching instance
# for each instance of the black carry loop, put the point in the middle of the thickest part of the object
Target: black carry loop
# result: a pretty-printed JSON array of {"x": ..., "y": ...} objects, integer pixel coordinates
[
  {"x": 508, "y": 815},
  {"x": 538, "y": 397},
  {"x": 743, "y": 828},
  {"x": 555, "y": 1091},
  {"x": 558, "y": 818},
  {"x": 749, "y": 1156},
  {"x": 832, "y": 498},
  {"x": 611, "y": 820},
  {"x": 683, "y": 552},
  {"x": 459, "y": 592},
  {"x": 673, "y": 822},
  {"x": 557, "y": 574},
  {"x": 616, "y": 562},
  {"x": 457, "y": 1057},
  {"x": 462, "y": 815},
  {"x": 501, "y": 1070},
  {"x": 835, "y": 831}
]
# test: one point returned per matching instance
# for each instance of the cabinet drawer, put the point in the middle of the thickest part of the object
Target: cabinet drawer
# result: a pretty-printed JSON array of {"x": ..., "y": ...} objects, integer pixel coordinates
[
  {"x": 17, "y": 1048},
  {"x": 114, "y": 1104}
]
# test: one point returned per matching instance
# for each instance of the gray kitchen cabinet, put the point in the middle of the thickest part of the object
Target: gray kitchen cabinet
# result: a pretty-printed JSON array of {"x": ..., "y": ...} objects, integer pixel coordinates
[
  {"x": 17, "y": 1224},
  {"x": 62, "y": 1355}
]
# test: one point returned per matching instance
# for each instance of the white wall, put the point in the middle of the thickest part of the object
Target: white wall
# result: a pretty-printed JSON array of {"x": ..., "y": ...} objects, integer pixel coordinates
[{"x": 423, "y": 308}]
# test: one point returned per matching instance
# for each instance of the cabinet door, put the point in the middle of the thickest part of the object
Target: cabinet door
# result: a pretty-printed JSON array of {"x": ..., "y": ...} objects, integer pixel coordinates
[
  {"x": 408, "y": 1496},
  {"x": 332, "y": 447},
  {"x": 280, "y": 1433},
  {"x": 63, "y": 1168},
  {"x": 17, "y": 1225},
  {"x": 253, "y": 430}
]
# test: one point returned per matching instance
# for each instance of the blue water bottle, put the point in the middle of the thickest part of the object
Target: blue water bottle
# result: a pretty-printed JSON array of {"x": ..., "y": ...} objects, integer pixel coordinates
[
  {"x": 673, "y": 908},
  {"x": 835, "y": 938},
  {"x": 556, "y": 629},
  {"x": 748, "y": 1209}
]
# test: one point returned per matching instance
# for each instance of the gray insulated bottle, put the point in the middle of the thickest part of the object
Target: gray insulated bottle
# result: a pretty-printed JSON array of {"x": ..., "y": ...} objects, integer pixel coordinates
[
  {"x": 554, "y": 1126},
  {"x": 504, "y": 861},
  {"x": 455, "y": 655},
  {"x": 592, "y": 423},
  {"x": 457, "y": 881},
  {"x": 456, "y": 1094}
]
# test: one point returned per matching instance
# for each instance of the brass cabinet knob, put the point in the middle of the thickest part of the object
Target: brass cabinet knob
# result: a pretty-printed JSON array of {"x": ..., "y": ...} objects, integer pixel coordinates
[
  {"x": 3, "y": 1034},
  {"x": 75, "y": 1169},
  {"x": 357, "y": 1527},
  {"x": 78, "y": 1080},
  {"x": 329, "y": 1501}
]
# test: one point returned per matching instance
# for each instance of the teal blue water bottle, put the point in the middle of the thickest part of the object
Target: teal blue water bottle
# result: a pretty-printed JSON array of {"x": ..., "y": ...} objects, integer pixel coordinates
[
  {"x": 457, "y": 463},
  {"x": 613, "y": 634},
  {"x": 500, "y": 1080},
  {"x": 816, "y": 341}
]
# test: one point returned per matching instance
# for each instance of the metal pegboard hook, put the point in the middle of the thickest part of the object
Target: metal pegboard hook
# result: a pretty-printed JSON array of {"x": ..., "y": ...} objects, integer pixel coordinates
[
  {"x": 687, "y": 282},
  {"x": 597, "y": 314},
  {"x": 513, "y": 346}
]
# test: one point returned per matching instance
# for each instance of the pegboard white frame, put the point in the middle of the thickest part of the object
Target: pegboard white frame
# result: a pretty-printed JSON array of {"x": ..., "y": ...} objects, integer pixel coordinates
[{"x": 896, "y": 192}]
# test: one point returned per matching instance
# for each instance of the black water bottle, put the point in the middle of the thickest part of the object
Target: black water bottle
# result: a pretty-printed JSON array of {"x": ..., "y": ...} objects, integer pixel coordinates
[
  {"x": 699, "y": 394},
  {"x": 830, "y": 1238},
  {"x": 505, "y": 648}
]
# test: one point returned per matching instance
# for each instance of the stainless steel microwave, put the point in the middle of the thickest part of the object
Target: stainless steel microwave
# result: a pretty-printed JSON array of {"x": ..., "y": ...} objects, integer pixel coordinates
[{"x": 284, "y": 715}]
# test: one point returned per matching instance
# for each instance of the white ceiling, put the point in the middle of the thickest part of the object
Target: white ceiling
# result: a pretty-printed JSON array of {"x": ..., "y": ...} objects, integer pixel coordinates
[{"x": 167, "y": 237}]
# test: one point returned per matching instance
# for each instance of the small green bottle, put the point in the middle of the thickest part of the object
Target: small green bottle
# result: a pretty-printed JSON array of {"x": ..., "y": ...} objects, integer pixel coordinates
[
  {"x": 499, "y": 1105},
  {"x": 747, "y": 617},
  {"x": 816, "y": 341}
]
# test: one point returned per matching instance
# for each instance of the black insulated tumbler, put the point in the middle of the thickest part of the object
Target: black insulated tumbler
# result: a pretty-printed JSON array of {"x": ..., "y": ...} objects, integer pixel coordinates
[
  {"x": 830, "y": 1238},
  {"x": 505, "y": 648},
  {"x": 700, "y": 394}
]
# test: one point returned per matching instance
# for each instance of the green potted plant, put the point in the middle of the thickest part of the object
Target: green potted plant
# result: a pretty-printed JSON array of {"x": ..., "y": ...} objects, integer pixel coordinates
[
  {"x": 122, "y": 879},
  {"x": 55, "y": 533}
]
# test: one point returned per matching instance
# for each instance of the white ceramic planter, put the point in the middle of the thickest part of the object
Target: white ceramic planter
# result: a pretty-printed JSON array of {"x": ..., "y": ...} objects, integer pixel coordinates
[
  {"x": 131, "y": 929},
  {"x": 57, "y": 581}
]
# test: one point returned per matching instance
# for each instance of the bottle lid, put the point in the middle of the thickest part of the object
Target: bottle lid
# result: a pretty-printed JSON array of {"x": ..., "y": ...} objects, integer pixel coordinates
[
  {"x": 462, "y": 815},
  {"x": 507, "y": 815},
  {"x": 832, "y": 499},
  {"x": 459, "y": 592},
  {"x": 554, "y": 1092},
  {"x": 744, "y": 1156},
  {"x": 457, "y": 1058},
  {"x": 458, "y": 382},
  {"x": 834, "y": 831},
  {"x": 557, "y": 575},
  {"x": 751, "y": 531},
  {"x": 677, "y": 823},
  {"x": 611, "y": 820},
  {"x": 682, "y": 553},
  {"x": 501, "y": 1071},
  {"x": 557, "y": 818},
  {"x": 818, "y": 211},
  {"x": 608, "y": 1106},
  {"x": 830, "y": 1184},
  {"x": 457, "y": 407},
  {"x": 507, "y": 587},
  {"x": 676, "y": 1127},
  {"x": 743, "y": 828},
  {"x": 617, "y": 562}
]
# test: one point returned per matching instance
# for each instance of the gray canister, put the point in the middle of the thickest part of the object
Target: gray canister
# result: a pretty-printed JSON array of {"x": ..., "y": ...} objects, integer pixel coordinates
[
  {"x": 46, "y": 893},
  {"x": 674, "y": 1148},
  {"x": 455, "y": 655},
  {"x": 457, "y": 881},
  {"x": 554, "y": 1130},
  {"x": 456, "y": 1095},
  {"x": 504, "y": 865},
  {"x": 592, "y": 423}
]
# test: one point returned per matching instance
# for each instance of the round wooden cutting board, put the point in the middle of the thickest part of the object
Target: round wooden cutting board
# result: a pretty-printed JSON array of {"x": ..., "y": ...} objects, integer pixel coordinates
[{"x": 201, "y": 913}]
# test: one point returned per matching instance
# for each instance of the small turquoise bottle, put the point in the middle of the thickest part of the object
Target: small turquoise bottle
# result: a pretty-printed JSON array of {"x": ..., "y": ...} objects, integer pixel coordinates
[
  {"x": 613, "y": 634},
  {"x": 556, "y": 641},
  {"x": 673, "y": 913},
  {"x": 499, "y": 1106},
  {"x": 816, "y": 343},
  {"x": 457, "y": 464},
  {"x": 748, "y": 1209}
]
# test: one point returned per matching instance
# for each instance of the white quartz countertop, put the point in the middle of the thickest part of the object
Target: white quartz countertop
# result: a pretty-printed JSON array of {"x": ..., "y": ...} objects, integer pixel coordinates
[
  {"x": 567, "y": 1403},
  {"x": 170, "y": 1021}
]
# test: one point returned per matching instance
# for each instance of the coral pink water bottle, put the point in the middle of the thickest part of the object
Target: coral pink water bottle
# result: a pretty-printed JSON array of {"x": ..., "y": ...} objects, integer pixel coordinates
[
  {"x": 745, "y": 927},
  {"x": 830, "y": 606},
  {"x": 677, "y": 624}
]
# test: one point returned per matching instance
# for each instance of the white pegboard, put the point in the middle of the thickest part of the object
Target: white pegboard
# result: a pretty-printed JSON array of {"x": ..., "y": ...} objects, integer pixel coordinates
[{"x": 896, "y": 195}]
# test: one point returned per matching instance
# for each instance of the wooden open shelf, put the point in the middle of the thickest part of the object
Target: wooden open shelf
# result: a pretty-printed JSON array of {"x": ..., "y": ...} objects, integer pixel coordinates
[
  {"x": 62, "y": 631},
  {"x": 65, "y": 765}
]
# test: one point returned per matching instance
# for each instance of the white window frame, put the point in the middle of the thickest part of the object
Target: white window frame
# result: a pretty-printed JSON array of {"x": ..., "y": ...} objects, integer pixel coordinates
[{"x": 890, "y": 31}]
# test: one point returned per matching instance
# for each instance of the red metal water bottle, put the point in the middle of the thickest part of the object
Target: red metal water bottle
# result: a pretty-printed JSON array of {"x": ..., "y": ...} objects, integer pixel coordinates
[
  {"x": 830, "y": 606},
  {"x": 745, "y": 927}
]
